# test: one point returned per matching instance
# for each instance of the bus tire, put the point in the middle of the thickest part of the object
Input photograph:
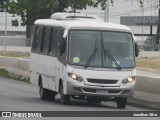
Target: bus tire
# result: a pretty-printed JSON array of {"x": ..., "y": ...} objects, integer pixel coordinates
[
  {"x": 121, "y": 102},
  {"x": 64, "y": 98},
  {"x": 42, "y": 92},
  {"x": 51, "y": 95}
]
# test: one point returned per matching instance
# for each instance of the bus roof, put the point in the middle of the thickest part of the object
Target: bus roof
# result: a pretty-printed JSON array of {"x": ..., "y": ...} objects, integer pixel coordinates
[{"x": 82, "y": 24}]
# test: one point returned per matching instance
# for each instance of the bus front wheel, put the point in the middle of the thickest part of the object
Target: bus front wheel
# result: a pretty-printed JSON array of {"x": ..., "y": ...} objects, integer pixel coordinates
[
  {"x": 121, "y": 102},
  {"x": 64, "y": 98}
]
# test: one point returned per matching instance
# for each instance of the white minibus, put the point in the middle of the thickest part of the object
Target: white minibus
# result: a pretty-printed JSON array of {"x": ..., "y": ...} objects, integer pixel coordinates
[{"x": 82, "y": 57}]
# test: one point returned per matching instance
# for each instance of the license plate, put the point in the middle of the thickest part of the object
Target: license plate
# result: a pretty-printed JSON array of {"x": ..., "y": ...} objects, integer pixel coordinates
[{"x": 102, "y": 91}]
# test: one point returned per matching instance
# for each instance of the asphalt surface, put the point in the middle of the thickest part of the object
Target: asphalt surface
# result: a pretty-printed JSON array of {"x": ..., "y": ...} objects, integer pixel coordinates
[{"x": 19, "y": 96}]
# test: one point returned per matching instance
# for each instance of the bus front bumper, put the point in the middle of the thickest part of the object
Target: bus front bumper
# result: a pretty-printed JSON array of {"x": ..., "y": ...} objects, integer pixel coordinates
[{"x": 87, "y": 90}]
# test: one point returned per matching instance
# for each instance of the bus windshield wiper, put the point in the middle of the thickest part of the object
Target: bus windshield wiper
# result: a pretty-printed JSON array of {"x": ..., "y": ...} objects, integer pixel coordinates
[
  {"x": 90, "y": 58},
  {"x": 111, "y": 58}
]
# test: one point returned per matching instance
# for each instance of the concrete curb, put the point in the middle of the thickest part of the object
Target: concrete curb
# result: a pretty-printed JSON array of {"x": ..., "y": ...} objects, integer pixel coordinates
[
  {"x": 147, "y": 89},
  {"x": 148, "y": 70},
  {"x": 15, "y": 65},
  {"x": 15, "y": 49}
]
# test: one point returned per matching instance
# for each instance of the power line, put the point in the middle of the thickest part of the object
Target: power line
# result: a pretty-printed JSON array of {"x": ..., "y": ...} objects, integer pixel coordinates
[
  {"x": 125, "y": 12},
  {"x": 139, "y": 9},
  {"x": 133, "y": 12}
]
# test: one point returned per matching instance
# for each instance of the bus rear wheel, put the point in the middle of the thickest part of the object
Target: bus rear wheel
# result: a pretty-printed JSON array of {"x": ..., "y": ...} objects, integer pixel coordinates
[
  {"x": 46, "y": 94},
  {"x": 42, "y": 92},
  {"x": 51, "y": 95},
  {"x": 64, "y": 98}
]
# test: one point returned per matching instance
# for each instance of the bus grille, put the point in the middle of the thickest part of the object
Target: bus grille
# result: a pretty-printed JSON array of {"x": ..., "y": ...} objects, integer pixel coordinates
[{"x": 102, "y": 81}]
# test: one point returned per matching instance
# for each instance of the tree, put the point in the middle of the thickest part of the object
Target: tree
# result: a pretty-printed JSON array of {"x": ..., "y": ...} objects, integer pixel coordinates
[
  {"x": 2, "y": 5},
  {"x": 31, "y": 10}
]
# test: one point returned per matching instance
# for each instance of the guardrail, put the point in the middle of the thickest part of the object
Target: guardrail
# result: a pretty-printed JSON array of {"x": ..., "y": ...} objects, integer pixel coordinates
[{"x": 147, "y": 88}]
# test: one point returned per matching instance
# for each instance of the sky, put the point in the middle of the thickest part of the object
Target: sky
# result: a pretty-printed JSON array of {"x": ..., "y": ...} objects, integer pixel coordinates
[{"x": 125, "y": 8}]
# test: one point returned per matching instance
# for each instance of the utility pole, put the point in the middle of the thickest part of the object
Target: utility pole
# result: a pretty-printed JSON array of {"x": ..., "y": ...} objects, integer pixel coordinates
[
  {"x": 106, "y": 11},
  {"x": 157, "y": 44},
  {"x": 5, "y": 30},
  {"x": 142, "y": 25},
  {"x": 142, "y": 6},
  {"x": 108, "y": 3}
]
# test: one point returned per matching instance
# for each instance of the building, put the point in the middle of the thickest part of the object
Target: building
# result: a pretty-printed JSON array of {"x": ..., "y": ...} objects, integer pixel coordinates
[{"x": 15, "y": 36}]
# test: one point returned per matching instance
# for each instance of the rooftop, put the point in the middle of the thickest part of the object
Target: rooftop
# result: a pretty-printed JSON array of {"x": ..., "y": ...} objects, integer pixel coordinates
[{"x": 82, "y": 23}]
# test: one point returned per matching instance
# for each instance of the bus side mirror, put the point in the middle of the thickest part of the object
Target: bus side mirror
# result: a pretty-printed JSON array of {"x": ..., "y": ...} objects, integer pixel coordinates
[
  {"x": 63, "y": 46},
  {"x": 136, "y": 49}
]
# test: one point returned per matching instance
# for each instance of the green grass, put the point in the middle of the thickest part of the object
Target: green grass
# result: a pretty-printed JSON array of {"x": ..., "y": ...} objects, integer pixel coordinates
[{"x": 4, "y": 73}]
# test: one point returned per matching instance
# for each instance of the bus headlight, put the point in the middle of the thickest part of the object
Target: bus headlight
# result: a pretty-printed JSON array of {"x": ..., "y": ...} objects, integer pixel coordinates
[
  {"x": 75, "y": 77},
  {"x": 128, "y": 80}
]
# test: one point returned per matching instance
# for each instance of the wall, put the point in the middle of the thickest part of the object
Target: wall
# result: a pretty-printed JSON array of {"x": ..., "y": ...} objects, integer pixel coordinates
[
  {"x": 147, "y": 88},
  {"x": 15, "y": 65},
  {"x": 13, "y": 41}
]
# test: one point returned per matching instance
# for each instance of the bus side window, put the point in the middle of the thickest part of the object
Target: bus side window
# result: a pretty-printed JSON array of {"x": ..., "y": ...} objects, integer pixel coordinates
[
  {"x": 59, "y": 40},
  {"x": 47, "y": 37},
  {"x": 35, "y": 41},
  {"x": 54, "y": 41},
  {"x": 62, "y": 47},
  {"x": 50, "y": 41},
  {"x": 33, "y": 38},
  {"x": 40, "y": 39}
]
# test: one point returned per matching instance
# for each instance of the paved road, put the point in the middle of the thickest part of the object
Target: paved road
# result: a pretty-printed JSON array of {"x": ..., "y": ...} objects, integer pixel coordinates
[{"x": 19, "y": 96}]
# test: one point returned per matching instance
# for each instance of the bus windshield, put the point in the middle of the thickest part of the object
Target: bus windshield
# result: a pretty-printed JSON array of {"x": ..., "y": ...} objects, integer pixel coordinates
[{"x": 102, "y": 49}]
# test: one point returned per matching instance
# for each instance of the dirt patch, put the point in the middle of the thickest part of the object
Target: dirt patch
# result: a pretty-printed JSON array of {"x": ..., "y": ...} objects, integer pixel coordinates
[
  {"x": 150, "y": 63},
  {"x": 15, "y": 54}
]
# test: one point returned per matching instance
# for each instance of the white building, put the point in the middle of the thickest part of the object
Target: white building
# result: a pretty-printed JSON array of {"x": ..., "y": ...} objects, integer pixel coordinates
[{"x": 15, "y": 36}]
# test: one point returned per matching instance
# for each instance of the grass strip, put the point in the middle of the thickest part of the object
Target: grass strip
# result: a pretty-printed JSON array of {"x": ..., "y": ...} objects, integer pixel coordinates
[{"x": 4, "y": 73}]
